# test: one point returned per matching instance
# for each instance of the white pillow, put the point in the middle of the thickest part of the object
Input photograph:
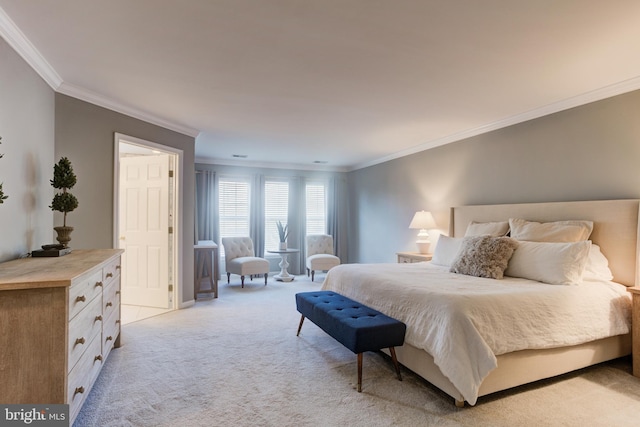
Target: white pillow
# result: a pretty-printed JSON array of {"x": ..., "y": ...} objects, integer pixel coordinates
[
  {"x": 495, "y": 229},
  {"x": 557, "y": 231},
  {"x": 446, "y": 251},
  {"x": 550, "y": 262},
  {"x": 597, "y": 267}
]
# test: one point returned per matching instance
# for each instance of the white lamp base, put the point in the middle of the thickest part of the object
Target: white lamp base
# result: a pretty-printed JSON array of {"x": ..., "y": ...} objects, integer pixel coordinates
[{"x": 423, "y": 246}]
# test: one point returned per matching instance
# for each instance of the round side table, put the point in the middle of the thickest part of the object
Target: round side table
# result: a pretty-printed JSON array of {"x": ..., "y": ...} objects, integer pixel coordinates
[{"x": 284, "y": 275}]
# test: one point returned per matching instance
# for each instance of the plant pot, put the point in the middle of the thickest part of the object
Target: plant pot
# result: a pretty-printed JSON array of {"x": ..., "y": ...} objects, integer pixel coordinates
[
  {"x": 64, "y": 235},
  {"x": 283, "y": 246}
]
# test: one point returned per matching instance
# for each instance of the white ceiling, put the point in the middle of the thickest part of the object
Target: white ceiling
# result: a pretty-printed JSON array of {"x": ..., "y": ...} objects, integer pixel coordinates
[{"x": 349, "y": 82}]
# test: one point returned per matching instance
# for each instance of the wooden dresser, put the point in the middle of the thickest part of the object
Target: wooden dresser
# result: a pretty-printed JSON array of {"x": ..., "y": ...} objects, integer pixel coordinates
[{"x": 59, "y": 319}]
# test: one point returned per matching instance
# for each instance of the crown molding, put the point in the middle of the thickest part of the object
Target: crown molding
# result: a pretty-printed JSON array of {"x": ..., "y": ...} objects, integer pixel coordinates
[
  {"x": 103, "y": 101},
  {"x": 10, "y": 32},
  {"x": 576, "y": 101},
  {"x": 269, "y": 165}
]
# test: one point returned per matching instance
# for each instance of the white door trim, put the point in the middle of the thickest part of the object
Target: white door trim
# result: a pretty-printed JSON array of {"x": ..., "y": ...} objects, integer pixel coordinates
[{"x": 178, "y": 203}]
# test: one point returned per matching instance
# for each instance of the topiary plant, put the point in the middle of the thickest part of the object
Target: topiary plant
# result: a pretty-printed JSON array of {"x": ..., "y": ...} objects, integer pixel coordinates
[{"x": 63, "y": 179}]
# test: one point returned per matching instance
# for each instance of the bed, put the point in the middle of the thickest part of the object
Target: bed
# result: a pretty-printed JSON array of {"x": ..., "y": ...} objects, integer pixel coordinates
[{"x": 471, "y": 362}]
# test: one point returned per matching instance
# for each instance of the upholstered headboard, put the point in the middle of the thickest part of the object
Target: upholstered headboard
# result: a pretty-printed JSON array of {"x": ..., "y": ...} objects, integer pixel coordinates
[{"x": 615, "y": 227}]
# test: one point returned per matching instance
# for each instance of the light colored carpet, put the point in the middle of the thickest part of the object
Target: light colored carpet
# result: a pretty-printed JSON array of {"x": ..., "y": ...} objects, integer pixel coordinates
[{"x": 237, "y": 361}]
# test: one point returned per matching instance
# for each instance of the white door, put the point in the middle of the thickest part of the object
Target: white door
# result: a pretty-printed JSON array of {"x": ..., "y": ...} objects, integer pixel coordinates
[{"x": 144, "y": 230}]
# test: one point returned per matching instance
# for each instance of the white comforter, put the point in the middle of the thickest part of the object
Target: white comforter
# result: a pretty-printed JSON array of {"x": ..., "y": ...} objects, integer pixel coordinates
[{"x": 464, "y": 321}]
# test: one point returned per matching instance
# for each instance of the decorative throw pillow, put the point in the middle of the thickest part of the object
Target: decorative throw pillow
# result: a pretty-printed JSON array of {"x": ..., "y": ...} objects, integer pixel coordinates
[
  {"x": 557, "y": 231},
  {"x": 484, "y": 256},
  {"x": 550, "y": 262},
  {"x": 496, "y": 229},
  {"x": 446, "y": 250}
]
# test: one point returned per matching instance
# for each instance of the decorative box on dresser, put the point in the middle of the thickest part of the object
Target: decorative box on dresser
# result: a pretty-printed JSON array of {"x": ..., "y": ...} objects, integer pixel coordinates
[
  {"x": 59, "y": 319},
  {"x": 635, "y": 330},
  {"x": 408, "y": 257}
]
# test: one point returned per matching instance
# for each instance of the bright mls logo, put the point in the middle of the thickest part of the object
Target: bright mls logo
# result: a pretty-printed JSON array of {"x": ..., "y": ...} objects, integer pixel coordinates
[{"x": 34, "y": 415}]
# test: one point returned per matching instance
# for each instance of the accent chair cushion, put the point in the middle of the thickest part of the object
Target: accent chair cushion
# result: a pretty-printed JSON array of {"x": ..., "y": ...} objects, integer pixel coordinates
[
  {"x": 322, "y": 262},
  {"x": 248, "y": 265}
]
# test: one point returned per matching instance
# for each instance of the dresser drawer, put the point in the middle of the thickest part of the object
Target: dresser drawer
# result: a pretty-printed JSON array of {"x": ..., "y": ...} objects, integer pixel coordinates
[
  {"x": 411, "y": 257},
  {"x": 111, "y": 271},
  {"x": 111, "y": 298},
  {"x": 110, "y": 332},
  {"x": 82, "y": 329},
  {"x": 83, "y": 375},
  {"x": 84, "y": 291}
]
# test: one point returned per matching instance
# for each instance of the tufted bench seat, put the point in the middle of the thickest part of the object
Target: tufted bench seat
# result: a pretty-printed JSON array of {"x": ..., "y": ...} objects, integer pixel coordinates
[{"x": 356, "y": 326}]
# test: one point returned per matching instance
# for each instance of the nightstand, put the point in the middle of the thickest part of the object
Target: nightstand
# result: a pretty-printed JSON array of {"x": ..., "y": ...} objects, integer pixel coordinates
[
  {"x": 408, "y": 257},
  {"x": 635, "y": 330}
]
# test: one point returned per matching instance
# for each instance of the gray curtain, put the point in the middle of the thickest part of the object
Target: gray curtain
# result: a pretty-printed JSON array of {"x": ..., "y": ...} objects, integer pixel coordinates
[
  {"x": 256, "y": 215},
  {"x": 206, "y": 206},
  {"x": 337, "y": 206},
  {"x": 297, "y": 224}
]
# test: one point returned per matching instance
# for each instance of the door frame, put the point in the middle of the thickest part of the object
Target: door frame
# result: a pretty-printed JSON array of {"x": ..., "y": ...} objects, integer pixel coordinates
[{"x": 175, "y": 194}]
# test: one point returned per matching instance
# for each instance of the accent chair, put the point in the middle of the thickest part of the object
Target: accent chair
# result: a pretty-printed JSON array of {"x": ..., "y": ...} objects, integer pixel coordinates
[
  {"x": 320, "y": 255},
  {"x": 239, "y": 258}
]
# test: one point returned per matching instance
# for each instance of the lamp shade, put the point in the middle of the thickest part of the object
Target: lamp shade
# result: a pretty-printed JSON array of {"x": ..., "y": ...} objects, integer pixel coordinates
[{"x": 423, "y": 220}]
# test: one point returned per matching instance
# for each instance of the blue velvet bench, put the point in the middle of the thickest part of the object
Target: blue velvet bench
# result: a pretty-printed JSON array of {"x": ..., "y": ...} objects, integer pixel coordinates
[{"x": 356, "y": 326}]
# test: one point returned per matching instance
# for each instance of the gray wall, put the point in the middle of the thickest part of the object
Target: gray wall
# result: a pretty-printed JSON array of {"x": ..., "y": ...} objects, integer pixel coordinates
[
  {"x": 590, "y": 152},
  {"x": 85, "y": 134},
  {"x": 27, "y": 131}
]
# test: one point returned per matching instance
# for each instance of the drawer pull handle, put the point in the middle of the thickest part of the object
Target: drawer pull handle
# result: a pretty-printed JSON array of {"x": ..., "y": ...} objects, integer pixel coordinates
[
  {"x": 117, "y": 292},
  {"x": 109, "y": 338},
  {"x": 109, "y": 274},
  {"x": 98, "y": 284},
  {"x": 117, "y": 321},
  {"x": 98, "y": 357},
  {"x": 98, "y": 318},
  {"x": 81, "y": 298},
  {"x": 109, "y": 304},
  {"x": 117, "y": 267},
  {"x": 79, "y": 390},
  {"x": 80, "y": 341}
]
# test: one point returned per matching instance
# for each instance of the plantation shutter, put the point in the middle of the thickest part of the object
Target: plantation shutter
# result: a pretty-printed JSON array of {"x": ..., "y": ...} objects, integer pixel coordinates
[
  {"x": 276, "y": 208},
  {"x": 233, "y": 198},
  {"x": 316, "y": 206}
]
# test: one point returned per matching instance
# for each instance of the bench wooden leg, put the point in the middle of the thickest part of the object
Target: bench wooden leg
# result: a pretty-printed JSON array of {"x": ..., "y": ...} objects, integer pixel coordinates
[
  {"x": 392, "y": 350},
  {"x": 359, "y": 372},
  {"x": 300, "y": 325}
]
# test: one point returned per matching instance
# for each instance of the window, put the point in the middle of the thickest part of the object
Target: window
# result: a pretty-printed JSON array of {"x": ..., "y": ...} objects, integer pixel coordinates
[
  {"x": 233, "y": 200},
  {"x": 276, "y": 208},
  {"x": 316, "y": 206}
]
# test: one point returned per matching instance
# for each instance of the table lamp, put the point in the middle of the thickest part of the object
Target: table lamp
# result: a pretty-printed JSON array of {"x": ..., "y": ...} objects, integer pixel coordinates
[{"x": 422, "y": 221}]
